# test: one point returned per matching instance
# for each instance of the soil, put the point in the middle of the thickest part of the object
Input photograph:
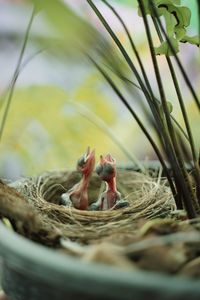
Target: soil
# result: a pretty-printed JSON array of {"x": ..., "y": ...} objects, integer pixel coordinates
[{"x": 150, "y": 234}]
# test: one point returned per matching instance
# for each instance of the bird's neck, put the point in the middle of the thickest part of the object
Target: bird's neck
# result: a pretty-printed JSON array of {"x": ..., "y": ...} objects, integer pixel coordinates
[
  {"x": 85, "y": 181},
  {"x": 112, "y": 185}
]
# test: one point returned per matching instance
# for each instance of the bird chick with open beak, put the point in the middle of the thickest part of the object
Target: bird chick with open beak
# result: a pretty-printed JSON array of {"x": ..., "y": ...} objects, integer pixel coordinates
[
  {"x": 110, "y": 198},
  {"x": 77, "y": 196}
]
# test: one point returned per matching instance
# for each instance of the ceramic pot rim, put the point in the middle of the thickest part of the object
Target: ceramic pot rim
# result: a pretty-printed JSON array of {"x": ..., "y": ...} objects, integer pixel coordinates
[{"x": 55, "y": 268}]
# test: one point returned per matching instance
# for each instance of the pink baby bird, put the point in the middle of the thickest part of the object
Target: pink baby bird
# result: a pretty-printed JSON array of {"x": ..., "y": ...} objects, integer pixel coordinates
[
  {"x": 107, "y": 172},
  {"x": 77, "y": 196}
]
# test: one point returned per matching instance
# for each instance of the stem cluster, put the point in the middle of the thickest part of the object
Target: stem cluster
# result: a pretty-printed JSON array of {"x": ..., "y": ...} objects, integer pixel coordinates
[{"x": 176, "y": 146}]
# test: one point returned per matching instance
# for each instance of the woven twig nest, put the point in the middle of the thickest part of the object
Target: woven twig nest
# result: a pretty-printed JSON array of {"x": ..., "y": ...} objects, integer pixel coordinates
[
  {"x": 143, "y": 235},
  {"x": 148, "y": 198}
]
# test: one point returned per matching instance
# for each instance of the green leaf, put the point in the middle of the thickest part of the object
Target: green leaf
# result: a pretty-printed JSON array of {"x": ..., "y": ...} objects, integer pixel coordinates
[
  {"x": 177, "y": 19},
  {"x": 170, "y": 22},
  {"x": 195, "y": 40},
  {"x": 164, "y": 48},
  {"x": 180, "y": 33},
  {"x": 68, "y": 27},
  {"x": 182, "y": 14}
]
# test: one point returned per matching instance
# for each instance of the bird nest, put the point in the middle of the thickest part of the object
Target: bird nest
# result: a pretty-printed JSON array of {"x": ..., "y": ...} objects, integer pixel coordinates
[
  {"x": 148, "y": 198},
  {"x": 147, "y": 234}
]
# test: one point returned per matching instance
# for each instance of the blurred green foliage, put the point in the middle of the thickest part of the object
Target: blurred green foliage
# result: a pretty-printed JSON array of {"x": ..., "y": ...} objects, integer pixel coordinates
[
  {"x": 46, "y": 131},
  {"x": 67, "y": 29}
]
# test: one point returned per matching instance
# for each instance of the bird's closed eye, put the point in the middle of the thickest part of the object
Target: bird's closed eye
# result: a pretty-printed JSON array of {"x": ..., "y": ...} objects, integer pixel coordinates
[
  {"x": 99, "y": 169},
  {"x": 81, "y": 162},
  {"x": 108, "y": 169}
]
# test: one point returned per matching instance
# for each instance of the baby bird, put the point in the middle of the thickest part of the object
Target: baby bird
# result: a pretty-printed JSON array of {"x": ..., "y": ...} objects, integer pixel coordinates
[
  {"x": 77, "y": 196},
  {"x": 110, "y": 198}
]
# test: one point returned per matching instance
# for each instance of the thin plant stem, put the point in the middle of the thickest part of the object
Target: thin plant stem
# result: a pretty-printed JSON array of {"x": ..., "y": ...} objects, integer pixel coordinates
[
  {"x": 15, "y": 76},
  {"x": 130, "y": 82},
  {"x": 184, "y": 113},
  {"x": 153, "y": 103},
  {"x": 164, "y": 136},
  {"x": 179, "y": 96},
  {"x": 184, "y": 74},
  {"x": 139, "y": 61},
  {"x": 170, "y": 144},
  {"x": 122, "y": 50},
  {"x": 133, "y": 48},
  {"x": 125, "y": 102},
  {"x": 179, "y": 169}
]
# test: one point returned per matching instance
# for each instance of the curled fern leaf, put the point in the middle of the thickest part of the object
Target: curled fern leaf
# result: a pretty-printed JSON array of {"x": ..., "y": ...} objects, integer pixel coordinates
[{"x": 177, "y": 19}]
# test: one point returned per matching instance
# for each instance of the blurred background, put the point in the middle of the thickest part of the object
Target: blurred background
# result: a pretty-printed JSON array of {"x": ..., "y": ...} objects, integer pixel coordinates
[{"x": 61, "y": 104}]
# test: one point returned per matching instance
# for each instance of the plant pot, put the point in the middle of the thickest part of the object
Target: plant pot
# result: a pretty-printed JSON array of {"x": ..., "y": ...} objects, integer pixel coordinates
[{"x": 31, "y": 271}]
